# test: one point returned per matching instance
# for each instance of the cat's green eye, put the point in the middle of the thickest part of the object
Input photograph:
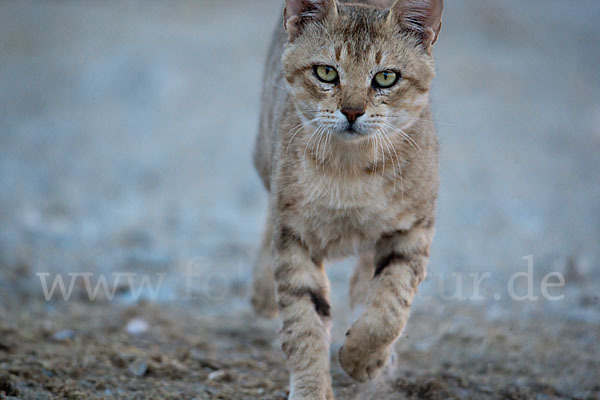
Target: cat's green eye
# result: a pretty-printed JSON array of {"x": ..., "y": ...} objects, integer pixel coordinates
[
  {"x": 385, "y": 79},
  {"x": 326, "y": 74}
]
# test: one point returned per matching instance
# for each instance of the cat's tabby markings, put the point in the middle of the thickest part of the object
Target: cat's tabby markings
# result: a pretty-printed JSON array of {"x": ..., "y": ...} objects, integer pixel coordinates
[{"x": 348, "y": 152}]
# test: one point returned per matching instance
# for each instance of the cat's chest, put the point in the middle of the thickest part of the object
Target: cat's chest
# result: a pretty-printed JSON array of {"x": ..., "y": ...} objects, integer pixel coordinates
[
  {"x": 341, "y": 216},
  {"x": 346, "y": 195}
]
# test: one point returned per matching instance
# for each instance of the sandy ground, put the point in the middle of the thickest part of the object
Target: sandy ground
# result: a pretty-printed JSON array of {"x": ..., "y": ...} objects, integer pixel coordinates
[{"x": 126, "y": 130}]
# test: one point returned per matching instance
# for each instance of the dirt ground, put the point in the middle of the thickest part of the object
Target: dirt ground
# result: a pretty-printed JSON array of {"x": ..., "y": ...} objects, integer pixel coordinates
[
  {"x": 126, "y": 132},
  {"x": 91, "y": 351}
]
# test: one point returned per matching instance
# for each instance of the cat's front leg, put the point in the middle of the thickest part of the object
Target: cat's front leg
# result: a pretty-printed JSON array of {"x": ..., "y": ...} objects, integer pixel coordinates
[
  {"x": 302, "y": 294},
  {"x": 400, "y": 264}
]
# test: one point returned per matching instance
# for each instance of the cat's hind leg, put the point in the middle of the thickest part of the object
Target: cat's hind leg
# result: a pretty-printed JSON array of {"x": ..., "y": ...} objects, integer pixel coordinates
[
  {"x": 359, "y": 282},
  {"x": 263, "y": 280}
]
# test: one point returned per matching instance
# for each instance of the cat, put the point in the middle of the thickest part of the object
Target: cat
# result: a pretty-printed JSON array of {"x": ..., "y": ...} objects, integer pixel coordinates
[{"x": 349, "y": 154}]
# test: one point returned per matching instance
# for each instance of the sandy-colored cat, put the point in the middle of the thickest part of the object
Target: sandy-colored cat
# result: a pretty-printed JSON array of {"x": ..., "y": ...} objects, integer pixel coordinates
[{"x": 349, "y": 155}]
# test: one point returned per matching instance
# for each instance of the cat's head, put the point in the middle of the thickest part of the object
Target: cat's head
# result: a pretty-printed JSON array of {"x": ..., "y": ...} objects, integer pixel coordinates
[{"x": 356, "y": 70}]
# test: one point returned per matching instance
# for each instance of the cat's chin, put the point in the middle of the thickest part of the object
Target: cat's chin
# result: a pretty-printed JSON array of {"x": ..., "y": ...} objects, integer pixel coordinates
[{"x": 351, "y": 134}]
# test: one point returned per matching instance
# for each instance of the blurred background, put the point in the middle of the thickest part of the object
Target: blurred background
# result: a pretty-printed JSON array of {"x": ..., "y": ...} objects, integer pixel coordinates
[{"x": 126, "y": 134}]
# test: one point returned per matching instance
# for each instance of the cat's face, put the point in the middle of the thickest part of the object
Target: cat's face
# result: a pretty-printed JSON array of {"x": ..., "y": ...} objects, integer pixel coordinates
[{"x": 355, "y": 72}]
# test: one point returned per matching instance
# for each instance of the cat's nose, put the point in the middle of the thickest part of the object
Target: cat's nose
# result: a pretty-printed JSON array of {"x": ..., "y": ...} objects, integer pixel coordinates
[{"x": 352, "y": 114}]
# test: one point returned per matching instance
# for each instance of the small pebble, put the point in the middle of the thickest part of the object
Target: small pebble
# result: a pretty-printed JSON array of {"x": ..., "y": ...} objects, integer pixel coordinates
[
  {"x": 47, "y": 327},
  {"x": 64, "y": 335},
  {"x": 137, "y": 326},
  {"x": 138, "y": 367},
  {"x": 217, "y": 375}
]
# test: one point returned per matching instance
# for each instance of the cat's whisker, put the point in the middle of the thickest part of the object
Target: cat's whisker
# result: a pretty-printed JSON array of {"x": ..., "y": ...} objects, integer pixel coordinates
[
  {"x": 384, "y": 142},
  {"x": 320, "y": 160},
  {"x": 320, "y": 129},
  {"x": 395, "y": 118},
  {"x": 307, "y": 145},
  {"x": 382, "y": 154},
  {"x": 303, "y": 124},
  {"x": 398, "y": 162},
  {"x": 403, "y": 134},
  {"x": 375, "y": 150},
  {"x": 411, "y": 140},
  {"x": 297, "y": 129},
  {"x": 326, "y": 147},
  {"x": 315, "y": 148},
  {"x": 394, "y": 154},
  {"x": 370, "y": 141}
]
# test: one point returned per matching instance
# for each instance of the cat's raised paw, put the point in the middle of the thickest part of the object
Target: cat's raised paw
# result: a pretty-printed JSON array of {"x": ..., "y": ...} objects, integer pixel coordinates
[{"x": 361, "y": 365}]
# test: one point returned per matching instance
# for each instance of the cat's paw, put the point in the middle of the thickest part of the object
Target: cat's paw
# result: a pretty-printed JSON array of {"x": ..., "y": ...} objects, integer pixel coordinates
[
  {"x": 312, "y": 389},
  {"x": 313, "y": 396},
  {"x": 361, "y": 362},
  {"x": 264, "y": 303},
  {"x": 362, "y": 367}
]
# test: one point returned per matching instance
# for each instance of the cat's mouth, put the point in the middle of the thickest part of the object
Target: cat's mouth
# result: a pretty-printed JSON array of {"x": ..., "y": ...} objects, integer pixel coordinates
[{"x": 351, "y": 132}]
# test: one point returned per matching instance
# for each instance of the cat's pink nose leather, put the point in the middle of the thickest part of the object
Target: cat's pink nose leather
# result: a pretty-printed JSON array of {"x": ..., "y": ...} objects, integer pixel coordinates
[{"x": 353, "y": 113}]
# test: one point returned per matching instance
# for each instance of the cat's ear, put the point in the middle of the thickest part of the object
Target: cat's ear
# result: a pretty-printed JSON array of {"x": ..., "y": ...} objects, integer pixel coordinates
[
  {"x": 422, "y": 17},
  {"x": 297, "y": 13}
]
